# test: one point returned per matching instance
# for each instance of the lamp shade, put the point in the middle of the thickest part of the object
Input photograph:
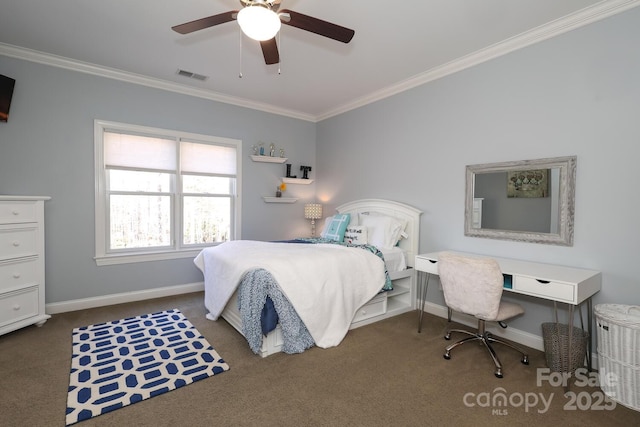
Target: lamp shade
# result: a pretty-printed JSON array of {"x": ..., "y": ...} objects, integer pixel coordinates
[
  {"x": 313, "y": 211},
  {"x": 259, "y": 22}
]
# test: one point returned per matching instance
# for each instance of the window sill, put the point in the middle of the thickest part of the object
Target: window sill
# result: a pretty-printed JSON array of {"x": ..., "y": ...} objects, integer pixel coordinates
[{"x": 145, "y": 257}]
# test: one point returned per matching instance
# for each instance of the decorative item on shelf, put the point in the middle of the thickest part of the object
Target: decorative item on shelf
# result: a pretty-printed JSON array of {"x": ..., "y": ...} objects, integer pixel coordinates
[
  {"x": 305, "y": 171},
  {"x": 282, "y": 152},
  {"x": 289, "y": 171},
  {"x": 313, "y": 211},
  {"x": 272, "y": 150},
  {"x": 254, "y": 147},
  {"x": 281, "y": 189},
  {"x": 261, "y": 147}
]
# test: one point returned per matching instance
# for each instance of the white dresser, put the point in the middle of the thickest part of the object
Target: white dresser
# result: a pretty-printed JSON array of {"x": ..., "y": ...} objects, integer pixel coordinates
[{"x": 21, "y": 262}]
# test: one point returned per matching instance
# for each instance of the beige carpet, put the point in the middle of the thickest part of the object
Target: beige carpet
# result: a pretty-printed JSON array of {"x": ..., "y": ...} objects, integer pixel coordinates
[{"x": 381, "y": 375}]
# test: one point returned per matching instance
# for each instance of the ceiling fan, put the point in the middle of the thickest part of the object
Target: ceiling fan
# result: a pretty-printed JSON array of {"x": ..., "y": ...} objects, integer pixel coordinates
[{"x": 260, "y": 20}]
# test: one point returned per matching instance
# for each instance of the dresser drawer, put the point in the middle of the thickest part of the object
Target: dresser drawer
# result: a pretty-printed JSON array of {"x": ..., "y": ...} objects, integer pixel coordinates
[
  {"x": 14, "y": 212},
  {"x": 543, "y": 289},
  {"x": 426, "y": 265},
  {"x": 14, "y": 274},
  {"x": 18, "y": 305},
  {"x": 375, "y": 307},
  {"x": 18, "y": 242}
]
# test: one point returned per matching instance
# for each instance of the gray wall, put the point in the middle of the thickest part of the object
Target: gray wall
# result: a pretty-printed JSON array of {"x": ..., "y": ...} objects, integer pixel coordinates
[
  {"x": 46, "y": 148},
  {"x": 576, "y": 94}
]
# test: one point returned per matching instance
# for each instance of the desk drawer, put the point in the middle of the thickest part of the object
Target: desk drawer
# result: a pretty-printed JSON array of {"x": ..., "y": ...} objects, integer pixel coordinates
[
  {"x": 14, "y": 212},
  {"x": 18, "y": 242},
  {"x": 548, "y": 290},
  {"x": 375, "y": 307},
  {"x": 14, "y": 274},
  {"x": 426, "y": 265},
  {"x": 18, "y": 305}
]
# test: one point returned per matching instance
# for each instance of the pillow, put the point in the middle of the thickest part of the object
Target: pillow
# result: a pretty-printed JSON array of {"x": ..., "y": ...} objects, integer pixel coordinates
[
  {"x": 337, "y": 227},
  {"x": 325, "y": 227},
  {"x": 356, "y": 234},
  {"x": 383, "y": 231}
]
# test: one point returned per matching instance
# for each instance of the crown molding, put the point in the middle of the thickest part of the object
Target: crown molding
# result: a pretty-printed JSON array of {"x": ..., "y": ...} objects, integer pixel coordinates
[
  {"x": 112, "y": 73},
  {"x": 601, "y": 10},
  {"x": 583, "y": 17}
]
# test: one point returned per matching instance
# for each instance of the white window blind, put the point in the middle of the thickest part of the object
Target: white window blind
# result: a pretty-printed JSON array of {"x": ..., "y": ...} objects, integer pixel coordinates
[
  {"x": 139, "y": 152},
  {"x": 210, "y": 159}
]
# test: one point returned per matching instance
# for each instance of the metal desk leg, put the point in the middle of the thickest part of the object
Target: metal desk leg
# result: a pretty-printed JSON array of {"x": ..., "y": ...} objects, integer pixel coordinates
[
  {"x": 423, "y": 283},
  {"x": 570, "y": 335},
  {"x": 589, "y": 329}
]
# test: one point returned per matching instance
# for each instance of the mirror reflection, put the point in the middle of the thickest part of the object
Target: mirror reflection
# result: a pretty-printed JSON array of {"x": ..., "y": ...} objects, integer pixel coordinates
[
  {"x": 528, "y": 200},
  {"x": 502, "y": 210}
]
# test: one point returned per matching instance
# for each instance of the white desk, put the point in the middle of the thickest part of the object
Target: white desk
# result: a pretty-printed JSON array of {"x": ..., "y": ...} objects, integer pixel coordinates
[{"x": 569, "y": 285}]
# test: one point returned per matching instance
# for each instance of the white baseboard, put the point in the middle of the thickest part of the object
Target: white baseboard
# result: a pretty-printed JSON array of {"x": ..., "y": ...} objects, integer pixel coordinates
[{"x": 84, "y": 303}]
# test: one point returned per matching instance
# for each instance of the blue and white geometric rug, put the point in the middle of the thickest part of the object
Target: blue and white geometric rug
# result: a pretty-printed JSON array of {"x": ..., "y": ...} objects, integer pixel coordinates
[{"x": 119, "y": 363}]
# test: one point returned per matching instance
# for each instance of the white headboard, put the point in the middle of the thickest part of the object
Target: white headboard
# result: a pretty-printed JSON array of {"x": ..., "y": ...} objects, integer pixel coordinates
[{"x": 395, "y": 209}]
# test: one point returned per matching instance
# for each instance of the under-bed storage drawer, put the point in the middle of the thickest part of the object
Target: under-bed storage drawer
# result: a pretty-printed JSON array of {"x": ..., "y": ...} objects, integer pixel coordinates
[
  {"x": 544, "y": 289},
  {"x": 375, "y": 307}
]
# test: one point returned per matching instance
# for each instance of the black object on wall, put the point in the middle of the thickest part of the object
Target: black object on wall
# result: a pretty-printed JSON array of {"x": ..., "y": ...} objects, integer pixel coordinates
[{"x": 6, "y": 93}]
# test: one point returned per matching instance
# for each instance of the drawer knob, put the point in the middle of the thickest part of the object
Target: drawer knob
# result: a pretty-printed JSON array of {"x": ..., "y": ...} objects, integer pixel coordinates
[
  {"x": 16, "y": 243},
  {"x": 16, "y": 275},
  {"x": 364, "y": 312},
  {"x": 16, "y": 307},
  {"x": 15, "y": 212}
]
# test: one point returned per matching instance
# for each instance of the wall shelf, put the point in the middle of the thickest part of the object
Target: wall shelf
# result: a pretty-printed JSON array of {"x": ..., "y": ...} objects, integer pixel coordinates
[
  {"x": 296, "y": 181},
  {"x": 268, "y": 199},
  {"x": 268, "y": 159}
]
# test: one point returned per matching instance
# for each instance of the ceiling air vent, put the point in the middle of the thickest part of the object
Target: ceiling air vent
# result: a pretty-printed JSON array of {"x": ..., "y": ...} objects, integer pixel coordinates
[{"x": 191, "y": 75}]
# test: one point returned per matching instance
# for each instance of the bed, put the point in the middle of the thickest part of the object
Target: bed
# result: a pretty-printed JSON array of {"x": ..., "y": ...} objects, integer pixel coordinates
[{"x": 347, "y": 284}]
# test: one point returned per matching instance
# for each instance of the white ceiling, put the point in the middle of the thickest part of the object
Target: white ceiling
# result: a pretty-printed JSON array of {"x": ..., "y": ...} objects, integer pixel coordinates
[{"x": 397, "y": 45}]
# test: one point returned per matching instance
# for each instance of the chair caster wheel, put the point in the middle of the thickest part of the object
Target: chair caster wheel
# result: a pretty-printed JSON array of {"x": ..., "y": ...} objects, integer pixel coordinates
[
  {"x": 498, "y": 374},
  {"x": 525, "y": 360},
  {"x": 446, "y": 356},
  {"x": 447, "y": 337}
]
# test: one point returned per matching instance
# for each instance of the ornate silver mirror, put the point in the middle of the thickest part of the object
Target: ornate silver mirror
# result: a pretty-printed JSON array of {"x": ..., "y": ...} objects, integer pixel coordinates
[{"x": 528, "y": 200}]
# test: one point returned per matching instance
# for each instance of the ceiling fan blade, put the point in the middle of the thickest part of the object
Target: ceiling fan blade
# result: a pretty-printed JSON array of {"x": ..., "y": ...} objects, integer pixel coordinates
[
  {"x": 202, "y": 23},
  {"x": 318, "y": 26},
  {"x": 270, "y": 51}
]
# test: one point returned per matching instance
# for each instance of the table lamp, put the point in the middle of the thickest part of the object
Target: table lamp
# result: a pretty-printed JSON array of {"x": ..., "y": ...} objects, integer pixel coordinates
[{"x": 313, "y": 211}]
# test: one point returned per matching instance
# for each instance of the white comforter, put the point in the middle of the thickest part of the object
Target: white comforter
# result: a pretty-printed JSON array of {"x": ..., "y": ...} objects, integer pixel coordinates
[{"x": 326, "y": 284}]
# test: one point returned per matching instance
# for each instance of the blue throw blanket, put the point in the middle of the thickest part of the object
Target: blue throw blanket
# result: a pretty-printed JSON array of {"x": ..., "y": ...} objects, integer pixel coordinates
[{"x": 258, "y": 285}]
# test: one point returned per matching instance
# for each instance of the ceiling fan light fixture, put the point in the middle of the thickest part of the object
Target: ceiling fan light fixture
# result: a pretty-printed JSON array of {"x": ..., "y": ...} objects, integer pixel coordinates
[{"x": 259, "y": 22}]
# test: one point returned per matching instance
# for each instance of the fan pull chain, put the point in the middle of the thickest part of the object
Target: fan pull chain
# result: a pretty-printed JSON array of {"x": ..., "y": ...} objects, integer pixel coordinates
[
  {"x": 280, "y": 59},
  {"x": 240, "y": 32}
]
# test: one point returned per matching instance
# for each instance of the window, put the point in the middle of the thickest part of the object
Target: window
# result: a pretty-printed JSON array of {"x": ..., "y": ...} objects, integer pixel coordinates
[{"x": 163, "y": 194}]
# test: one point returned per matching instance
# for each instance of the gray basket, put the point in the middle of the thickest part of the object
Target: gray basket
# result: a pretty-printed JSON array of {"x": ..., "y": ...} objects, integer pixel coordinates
[{"x": 556, "y": 347}]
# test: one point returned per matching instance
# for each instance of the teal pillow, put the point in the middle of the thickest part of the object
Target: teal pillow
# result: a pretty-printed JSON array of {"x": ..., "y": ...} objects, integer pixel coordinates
[{"x": 336, "y": 228}]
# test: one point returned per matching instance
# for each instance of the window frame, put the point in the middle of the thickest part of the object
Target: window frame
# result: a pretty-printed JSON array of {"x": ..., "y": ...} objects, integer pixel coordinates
[{"x": 177, "y": 250}]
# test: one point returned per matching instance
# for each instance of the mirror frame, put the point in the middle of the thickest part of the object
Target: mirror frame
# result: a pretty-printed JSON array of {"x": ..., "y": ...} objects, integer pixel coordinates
[{"x": 564, "y": 237}]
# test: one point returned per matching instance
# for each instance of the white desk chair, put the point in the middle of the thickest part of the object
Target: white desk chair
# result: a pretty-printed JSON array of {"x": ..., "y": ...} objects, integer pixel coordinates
[{"x": 474, "y": 286}]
